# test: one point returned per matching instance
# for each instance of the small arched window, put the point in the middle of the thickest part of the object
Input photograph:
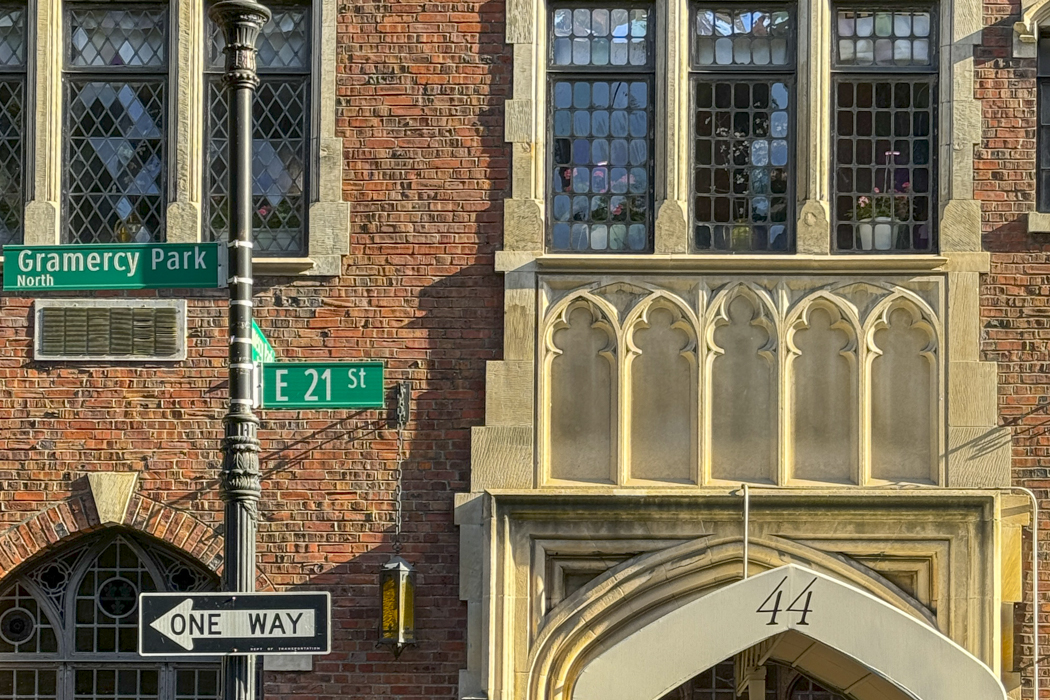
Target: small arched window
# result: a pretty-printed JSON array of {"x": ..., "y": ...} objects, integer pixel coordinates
[{"x": 69, "y": 624}]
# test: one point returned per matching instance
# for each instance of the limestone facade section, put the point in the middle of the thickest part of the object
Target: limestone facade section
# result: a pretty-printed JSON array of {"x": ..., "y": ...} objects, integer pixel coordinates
[
  {"x": 570, "y": 574},
  {"x": 708, "y": 379}
]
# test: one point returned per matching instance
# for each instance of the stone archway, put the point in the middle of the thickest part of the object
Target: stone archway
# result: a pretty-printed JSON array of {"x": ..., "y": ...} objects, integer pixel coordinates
[{"x": 650, "y": 661}]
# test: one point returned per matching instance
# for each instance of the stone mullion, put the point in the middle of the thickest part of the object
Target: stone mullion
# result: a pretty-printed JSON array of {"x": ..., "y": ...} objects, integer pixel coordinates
[
  {"x": 813, "y": 107},
  {"x": 43, "y": 212},
  {"x": 671, "y": 234},
  {"x": 186, "y": 115}
]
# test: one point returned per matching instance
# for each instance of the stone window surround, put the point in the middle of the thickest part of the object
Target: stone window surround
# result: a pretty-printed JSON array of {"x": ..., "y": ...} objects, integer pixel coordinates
[
  {"x": 505, "y": 449},
  {"x": 329, "y": 216},
  {"x": 1035, "y": 16},
  {"x": 958, "y": 125}
]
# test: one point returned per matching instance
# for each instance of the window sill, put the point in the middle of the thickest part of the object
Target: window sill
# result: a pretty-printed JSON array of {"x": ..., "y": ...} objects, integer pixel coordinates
[
  {"x": 1038, "y": 222},
  {"x": 284, "y": 266},
  {"x": 508, "y": 260}
]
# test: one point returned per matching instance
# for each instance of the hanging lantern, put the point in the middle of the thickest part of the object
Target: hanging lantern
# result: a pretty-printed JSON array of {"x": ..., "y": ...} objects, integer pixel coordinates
[{"x": 397, "y": 594}]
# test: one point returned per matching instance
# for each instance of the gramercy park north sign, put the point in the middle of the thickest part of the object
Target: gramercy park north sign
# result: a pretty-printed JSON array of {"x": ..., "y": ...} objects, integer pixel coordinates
[{"x": 114, "y": 266}]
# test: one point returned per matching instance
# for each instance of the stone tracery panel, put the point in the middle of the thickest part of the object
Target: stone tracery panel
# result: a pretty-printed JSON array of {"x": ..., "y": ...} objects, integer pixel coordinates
[
  {"x": 742, "y": 387},
  {"x": 904, "y": 397},
  {"x": 582, "y": 381},
  {"x": 823, "y": 385},
  {"x": 662, "y": 369},
  {"x": 682, "y": 379}
]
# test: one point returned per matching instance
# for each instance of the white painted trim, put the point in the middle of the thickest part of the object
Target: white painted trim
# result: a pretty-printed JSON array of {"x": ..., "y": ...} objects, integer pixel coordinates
[{"x": 664, "y": 654}]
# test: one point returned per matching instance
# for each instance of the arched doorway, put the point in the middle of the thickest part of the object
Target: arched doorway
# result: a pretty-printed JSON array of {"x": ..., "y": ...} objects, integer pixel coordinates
[
  {"x": 69, "y": 624},
  {"x": 801, "y": 609}
]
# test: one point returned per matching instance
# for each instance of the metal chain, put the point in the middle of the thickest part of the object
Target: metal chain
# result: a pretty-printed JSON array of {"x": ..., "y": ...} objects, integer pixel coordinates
[
  {"x": 404, "y": 397},
  {"x": 397, "y": 487}
]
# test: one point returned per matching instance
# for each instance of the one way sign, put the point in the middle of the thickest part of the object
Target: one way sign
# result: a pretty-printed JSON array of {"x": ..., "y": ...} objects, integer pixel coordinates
[{"x": 219, "y": 624}]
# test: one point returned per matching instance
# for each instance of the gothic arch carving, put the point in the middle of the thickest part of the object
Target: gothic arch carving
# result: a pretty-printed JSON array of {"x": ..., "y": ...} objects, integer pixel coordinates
[
  {"x": 660, "y": 391},
  {"x": 580, "y": 390},
  {"x": 822, "y": 390},
  {"x": 741, "y": 342},
  {"x": 902, "y": 410}
]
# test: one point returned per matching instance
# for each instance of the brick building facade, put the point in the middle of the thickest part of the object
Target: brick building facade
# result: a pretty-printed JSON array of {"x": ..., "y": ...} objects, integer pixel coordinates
[{"x": 442, "y": 118}]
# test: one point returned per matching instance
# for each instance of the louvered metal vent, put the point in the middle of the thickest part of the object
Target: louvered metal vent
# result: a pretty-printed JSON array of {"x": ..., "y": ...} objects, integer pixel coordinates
[{"x": 104, "y": 329}]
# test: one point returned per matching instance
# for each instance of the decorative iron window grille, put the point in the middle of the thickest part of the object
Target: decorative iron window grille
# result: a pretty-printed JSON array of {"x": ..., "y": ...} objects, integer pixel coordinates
[
  {"x": 1043, "y": 133},
  {"x": 884, "y": 98},
  {"x": 281, "y": 138},
  {"x": 69, "y": 625},
  {"x": 12, "y": 121},
  {"x": 116, "y": 107},
  {"x": 600, "y": 128},
  {"x": 743, "y": 84}
]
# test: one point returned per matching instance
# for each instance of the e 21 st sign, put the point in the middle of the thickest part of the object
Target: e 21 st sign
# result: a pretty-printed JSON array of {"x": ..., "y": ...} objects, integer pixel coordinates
[{"x": 322, "y": 385}]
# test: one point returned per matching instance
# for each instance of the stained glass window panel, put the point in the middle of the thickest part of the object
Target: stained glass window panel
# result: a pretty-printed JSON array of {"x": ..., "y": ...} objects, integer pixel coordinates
[
  {"x": 197, "y": 684},
  {"x": 28, "y": 684},
  {"x": 116, "y": 683},
  {"x": 601, "y": 165},
  {"x": 604, "y": 37},
  {"x": 115, "y": 159},
  {"x": 884, "y": 37},
  {"x": 884, "y": 169},
  {"x": 1043, "y": 125},
  {"x": 125, "y": 37},
  {"x": 12, "y": 36},
  {"x": 279, "y": 153},
  {"x": 742, "y": 165},
  {"x": 284, "y": 41},
  {"x": 12, "y": 158},
  {"x": 280, "y": 145},
  {"x": 107, "y": 599},
  {"x": 743, "y": 37}
]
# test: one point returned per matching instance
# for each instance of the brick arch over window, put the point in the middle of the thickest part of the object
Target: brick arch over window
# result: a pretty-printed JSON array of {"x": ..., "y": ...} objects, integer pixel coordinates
[{"x": 76, "y": 515}]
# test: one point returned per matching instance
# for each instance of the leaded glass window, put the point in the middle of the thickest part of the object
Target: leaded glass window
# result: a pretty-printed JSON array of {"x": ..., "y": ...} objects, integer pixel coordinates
[
  {"x": 1043, "y": 133},
  {"x": 116, "y": 113},
  {"x": 281, "y": 141},
  {"x": 743, "y": 61},
  {"x": 12, "y": 121},
  {"x": 884, "y": 112},
  {"x": 69, "y": 625},
  {"x": 600, "y": 81}
]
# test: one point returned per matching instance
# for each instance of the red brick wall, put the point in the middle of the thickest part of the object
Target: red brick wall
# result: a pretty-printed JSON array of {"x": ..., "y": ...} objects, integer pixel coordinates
[
  {"x": 419, "y": 106},
  {"x": 1014, "y": 296}
]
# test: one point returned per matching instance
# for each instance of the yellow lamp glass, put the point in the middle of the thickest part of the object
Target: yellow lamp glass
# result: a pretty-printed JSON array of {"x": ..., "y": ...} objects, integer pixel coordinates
[{"x": 397, "y": 593}]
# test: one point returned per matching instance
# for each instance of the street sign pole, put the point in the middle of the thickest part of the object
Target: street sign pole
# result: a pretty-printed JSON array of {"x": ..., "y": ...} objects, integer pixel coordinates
[{"x": 240, "y": 21}]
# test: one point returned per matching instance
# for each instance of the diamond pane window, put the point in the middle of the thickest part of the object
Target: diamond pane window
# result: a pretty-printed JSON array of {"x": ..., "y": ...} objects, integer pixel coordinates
[
  {"x": 884, "y": 116},
  {"x": 280, "y": 144},
  {"x": 106, "y": 38},
  {"x": 600, "y": 129},
  {"x": 116, "y": 114},
  {"x": 743, "y": 129},
  {"x": 12, "y": 122}
]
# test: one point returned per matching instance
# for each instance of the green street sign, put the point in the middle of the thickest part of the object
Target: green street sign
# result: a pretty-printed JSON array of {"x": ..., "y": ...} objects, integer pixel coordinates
[
  {"x": 114, "y": 266},
  {"x": 322, "y": 385},
  {"x": 262, "y": 351}
]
